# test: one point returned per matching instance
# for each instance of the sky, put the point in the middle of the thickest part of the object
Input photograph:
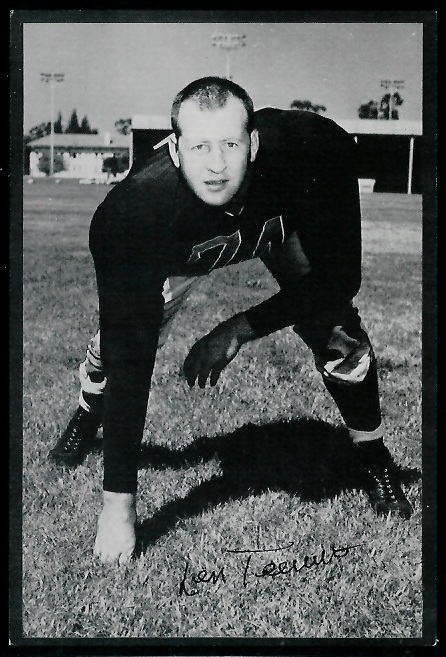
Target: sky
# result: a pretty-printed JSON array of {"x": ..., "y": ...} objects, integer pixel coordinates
[{"x": 115, "y": 70}]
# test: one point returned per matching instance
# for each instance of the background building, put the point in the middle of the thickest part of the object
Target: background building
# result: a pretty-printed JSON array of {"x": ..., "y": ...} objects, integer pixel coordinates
[{"x": 78, "y": 155}]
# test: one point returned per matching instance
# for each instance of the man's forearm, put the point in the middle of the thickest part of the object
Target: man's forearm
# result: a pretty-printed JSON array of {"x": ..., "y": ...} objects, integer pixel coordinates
[
  {"x": 288, "y": 307},
  {"x": 242, "y": 328}
]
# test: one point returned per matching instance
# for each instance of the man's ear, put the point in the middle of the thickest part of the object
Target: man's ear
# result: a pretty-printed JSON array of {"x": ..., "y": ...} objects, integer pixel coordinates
[
  {"x": 255, "y": 142},
  {"x": 173, "y": 150}
]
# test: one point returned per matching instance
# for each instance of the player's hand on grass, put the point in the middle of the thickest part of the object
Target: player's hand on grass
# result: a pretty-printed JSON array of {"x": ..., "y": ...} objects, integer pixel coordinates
[
  {"x": 115, "y": 538},
  {"x": 212, "y": 353}
]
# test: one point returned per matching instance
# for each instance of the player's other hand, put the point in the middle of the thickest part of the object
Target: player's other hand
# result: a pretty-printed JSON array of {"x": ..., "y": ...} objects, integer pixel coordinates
[
  {"x": 212, "y": 353},
  {"x": 115, "y": 538}
]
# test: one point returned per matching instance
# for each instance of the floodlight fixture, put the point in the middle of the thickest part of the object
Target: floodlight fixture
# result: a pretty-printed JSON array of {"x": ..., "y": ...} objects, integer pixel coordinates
[{"x": 228, "y": 42}]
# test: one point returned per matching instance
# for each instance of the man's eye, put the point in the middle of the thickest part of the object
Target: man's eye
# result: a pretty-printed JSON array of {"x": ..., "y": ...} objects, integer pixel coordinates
[
  {"x": 198, "y": 147},
  {"x": 231, "y": 144}
]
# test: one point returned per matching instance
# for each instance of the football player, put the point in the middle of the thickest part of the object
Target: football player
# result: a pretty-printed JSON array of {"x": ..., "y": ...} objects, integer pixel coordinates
[{"x": 230, "y": 184}]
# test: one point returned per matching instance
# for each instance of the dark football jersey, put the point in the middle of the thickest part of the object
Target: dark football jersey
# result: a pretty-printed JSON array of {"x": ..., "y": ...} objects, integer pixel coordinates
[{"x": 300, "y": 196}]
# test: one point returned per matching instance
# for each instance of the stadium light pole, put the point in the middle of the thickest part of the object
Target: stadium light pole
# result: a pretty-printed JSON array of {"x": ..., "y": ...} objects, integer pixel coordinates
[
  {"x": 51, "y": 79},
  {"x": 229, "y": 42}
]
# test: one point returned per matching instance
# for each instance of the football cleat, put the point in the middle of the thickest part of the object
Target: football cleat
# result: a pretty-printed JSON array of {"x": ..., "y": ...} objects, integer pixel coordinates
[
  {"x": 384, "y": 490},
  {"x": 77, "y": 439}
]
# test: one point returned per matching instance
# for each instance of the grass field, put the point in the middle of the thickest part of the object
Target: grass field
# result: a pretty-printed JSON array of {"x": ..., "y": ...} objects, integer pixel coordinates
[{"x": 261, "y": 462}]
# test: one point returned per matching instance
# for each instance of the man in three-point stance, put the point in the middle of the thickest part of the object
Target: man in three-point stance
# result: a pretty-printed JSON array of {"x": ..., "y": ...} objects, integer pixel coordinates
[{"x": 231, "y": 184}]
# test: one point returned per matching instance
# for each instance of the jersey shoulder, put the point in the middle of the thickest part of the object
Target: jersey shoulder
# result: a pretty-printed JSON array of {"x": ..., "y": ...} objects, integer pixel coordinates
[
  {"x": 156, "y": 179},
  {"x": 298, "y": 121},
  {"x": 296, "y": 136}
]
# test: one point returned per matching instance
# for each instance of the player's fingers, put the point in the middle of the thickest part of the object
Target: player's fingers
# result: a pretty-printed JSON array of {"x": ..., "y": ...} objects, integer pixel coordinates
[
  {"x": 203, "y": 376},
  {"x": 216, "y": 371},
  {"x": 190, "y": 375},
  {"x": 190, "y": 369},
  {"x": 191, "y": 378}
]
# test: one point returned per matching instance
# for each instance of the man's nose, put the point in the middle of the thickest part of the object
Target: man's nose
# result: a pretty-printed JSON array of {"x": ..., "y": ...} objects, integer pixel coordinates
[{"x": 216, "y": 160}]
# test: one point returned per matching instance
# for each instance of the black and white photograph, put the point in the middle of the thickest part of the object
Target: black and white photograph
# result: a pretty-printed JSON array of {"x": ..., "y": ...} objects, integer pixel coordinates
[{"x": 222, "y": 381}]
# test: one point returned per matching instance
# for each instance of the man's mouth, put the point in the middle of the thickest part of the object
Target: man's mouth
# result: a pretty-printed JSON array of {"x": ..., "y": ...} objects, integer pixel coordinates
[{"x": 216, "y": 185}]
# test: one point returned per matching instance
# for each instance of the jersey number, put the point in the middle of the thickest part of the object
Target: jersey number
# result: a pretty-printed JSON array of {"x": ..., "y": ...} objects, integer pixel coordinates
[{"x": 272, "y": 234}]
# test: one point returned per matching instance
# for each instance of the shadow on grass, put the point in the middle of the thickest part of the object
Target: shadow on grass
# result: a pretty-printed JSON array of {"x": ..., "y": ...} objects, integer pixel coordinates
[{"x": 305, "y": 458}]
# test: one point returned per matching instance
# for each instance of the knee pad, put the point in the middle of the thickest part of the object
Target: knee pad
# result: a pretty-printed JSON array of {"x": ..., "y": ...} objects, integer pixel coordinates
[{"x": 345, "y": 359}]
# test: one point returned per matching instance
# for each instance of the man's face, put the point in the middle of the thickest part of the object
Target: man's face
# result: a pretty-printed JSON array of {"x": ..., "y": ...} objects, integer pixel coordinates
[{"x": 214, "y": 149}]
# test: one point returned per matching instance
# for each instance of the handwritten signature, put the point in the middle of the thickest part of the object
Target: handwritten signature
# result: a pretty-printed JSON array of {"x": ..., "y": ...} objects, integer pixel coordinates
[{"x": 254, "y": 568}]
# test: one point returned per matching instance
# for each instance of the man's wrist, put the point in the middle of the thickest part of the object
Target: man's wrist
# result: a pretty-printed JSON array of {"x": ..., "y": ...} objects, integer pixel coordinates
[
  {"x": 242, "y": 328},
  {"x": 119, "y": 500}
]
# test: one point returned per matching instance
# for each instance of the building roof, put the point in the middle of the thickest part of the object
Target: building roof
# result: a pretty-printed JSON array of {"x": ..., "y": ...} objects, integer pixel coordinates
[
  {"x": 84, "y": 141},
  {"x": 382, "y": 127}
]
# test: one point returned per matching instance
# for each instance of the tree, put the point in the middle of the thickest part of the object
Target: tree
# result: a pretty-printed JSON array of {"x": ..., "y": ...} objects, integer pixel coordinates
[
  {"x": 58, "y": 130},
  {"x": 85, "y": 127},
  {"x": 58, "y": 163},
  {"x": 114, "y": 165},
  {"x": 368, "y": 110},
  {"x": 111, "y": 165},
  {"x": 73, "y": 126},
  {"x": 386, "y": 109},
  {"x": 124, "y": 126},
  {"x": 39, "y": 131},
  {"x": 389, "y": 101},
  {"x": 307, "y": 106}
]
